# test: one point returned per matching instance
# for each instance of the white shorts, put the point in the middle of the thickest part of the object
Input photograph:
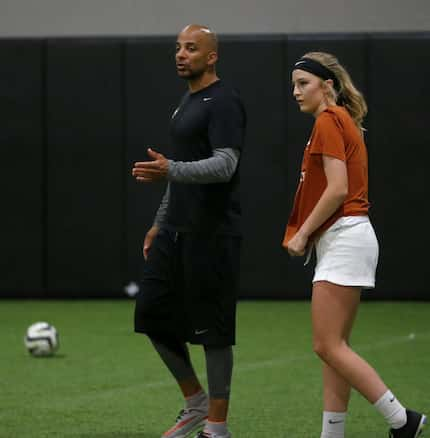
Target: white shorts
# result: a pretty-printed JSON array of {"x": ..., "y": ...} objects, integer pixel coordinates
[{"x": 347, "y": 253}]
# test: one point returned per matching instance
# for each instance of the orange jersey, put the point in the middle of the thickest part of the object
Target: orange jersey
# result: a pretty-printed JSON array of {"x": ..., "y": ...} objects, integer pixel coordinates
[{"x": 336, "y": 135}]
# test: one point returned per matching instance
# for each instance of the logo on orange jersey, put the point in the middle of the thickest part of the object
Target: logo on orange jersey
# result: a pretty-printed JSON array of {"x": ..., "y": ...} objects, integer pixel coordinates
[{"x": 302, "y": 176}]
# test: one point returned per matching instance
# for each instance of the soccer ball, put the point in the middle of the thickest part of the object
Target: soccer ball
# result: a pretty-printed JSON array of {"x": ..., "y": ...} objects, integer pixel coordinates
[{"x": 41, "y": 339}]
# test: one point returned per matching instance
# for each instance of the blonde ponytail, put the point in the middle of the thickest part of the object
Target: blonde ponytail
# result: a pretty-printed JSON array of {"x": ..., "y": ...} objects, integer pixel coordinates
[{"x": 346, "y": 95}]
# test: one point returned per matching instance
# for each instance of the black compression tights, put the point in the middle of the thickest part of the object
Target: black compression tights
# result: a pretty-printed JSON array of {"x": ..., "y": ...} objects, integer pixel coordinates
[{"x": 219, "y": 364}]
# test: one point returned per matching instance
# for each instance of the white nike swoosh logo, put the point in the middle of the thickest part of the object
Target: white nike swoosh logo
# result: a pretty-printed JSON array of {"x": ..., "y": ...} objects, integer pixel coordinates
[
  {"x": 299, "y": 62},
  {"x": 174, "y": 114},
  {"x": 206, "y": 99},
  {"x": 200, "y": 332}
]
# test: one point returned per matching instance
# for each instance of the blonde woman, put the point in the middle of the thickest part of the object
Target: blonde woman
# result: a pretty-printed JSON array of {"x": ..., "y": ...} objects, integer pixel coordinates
[{"x": 330, "y": 213}]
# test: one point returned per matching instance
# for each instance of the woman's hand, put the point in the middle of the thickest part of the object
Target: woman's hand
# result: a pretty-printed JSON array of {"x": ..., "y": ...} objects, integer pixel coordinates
[{"x": 297, "y": 245}]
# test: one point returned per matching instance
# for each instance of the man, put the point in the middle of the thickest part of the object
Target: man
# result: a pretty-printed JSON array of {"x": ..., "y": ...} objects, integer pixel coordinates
[{"x": 190, "y": 280}]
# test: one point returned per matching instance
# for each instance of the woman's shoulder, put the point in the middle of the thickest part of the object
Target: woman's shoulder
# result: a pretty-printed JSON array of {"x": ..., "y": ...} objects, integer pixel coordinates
[
  {"x": 338, "y": 116},
  {"x": 336, "y": 112},
  {"x": 331, "y": 116}
]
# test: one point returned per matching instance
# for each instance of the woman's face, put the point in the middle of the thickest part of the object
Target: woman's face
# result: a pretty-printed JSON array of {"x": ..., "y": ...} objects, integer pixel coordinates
[{"x": 310, "y": 92}]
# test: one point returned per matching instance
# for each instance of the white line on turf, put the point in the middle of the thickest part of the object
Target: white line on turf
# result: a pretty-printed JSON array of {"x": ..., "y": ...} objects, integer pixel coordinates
[
  {"x": 359, "y": 348},
  {"x": 243, "y": 367},
  {"x": 239, "y": 368}
]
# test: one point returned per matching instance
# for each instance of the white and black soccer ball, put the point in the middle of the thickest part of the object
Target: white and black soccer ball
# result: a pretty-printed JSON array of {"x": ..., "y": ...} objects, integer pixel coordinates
[{"x": 41, "y": 339}]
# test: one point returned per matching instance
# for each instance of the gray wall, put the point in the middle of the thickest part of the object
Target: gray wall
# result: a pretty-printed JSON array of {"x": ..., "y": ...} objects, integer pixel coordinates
[{"x": 19, "y": 18}]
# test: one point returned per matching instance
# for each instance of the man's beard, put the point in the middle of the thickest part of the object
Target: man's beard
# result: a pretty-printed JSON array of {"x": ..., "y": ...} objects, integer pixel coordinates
[{"x": 192, "y": 75}]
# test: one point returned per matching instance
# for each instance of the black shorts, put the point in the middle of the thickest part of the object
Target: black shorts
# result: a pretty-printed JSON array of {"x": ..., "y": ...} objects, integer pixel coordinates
[{"x": 189, "y": 288}]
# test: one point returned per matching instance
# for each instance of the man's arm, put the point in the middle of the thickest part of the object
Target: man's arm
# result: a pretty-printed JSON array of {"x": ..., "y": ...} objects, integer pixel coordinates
[
  {"x": 216, "y": 169},
  {"x": 160, "y": 216},
  {"x": 159, "y": 219}
]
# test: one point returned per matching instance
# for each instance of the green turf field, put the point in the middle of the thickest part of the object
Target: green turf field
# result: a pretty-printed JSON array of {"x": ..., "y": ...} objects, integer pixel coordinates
[{"x": 107, "y": 382}]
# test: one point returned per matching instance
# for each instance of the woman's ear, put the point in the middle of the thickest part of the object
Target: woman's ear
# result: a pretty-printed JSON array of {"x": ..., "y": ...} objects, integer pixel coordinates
[
  {"x": 329, "y": 89},
  {"x": 329, "y": 83}
]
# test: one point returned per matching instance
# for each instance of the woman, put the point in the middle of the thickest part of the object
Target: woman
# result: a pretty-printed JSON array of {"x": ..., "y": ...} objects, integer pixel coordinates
[{"x": 330, "y": 213}]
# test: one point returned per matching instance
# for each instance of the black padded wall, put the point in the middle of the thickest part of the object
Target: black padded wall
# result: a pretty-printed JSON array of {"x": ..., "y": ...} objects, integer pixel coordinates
[
  {"x": 84, "y": 168},
  {"x": 22, "y": 178},
  {"x": 256, "y": 67},
  {"x": 153, "y": 91},
  {"x": 351, "y": 50},
  {"x": 77, "y": 112},
  {"x": 399, "y": 72}
]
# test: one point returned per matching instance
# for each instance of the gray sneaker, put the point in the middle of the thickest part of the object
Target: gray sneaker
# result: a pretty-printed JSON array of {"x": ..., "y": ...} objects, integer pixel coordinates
[
  {"x": 188, "y": 421},
  {"x": 212, "y": 435}
]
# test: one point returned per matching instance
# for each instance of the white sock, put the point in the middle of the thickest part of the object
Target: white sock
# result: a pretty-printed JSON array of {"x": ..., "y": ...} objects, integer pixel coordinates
[
  {"x": 392, "y": 410},
  {"x": 218, "y": 428},
  {"x": 333, "y": 425},
  {"x": 196, "y": 400}
]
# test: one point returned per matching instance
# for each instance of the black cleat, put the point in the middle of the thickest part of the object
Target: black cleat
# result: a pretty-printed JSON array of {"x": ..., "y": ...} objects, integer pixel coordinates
[{"x": 412, "y": 429}]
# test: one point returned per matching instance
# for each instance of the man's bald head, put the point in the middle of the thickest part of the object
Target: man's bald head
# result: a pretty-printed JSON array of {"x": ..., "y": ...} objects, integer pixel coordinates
[
  {"x": 197, "y": 55},
  {"x": 203, "y": 34}
]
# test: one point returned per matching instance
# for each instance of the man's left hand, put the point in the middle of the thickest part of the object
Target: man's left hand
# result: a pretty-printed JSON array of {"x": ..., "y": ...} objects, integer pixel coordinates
[{"x": 151, "y": 171}]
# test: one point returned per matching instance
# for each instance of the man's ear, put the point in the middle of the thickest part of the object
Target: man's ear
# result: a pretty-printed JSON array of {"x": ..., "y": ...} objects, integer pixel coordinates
[{"x": 212, "y": 58}]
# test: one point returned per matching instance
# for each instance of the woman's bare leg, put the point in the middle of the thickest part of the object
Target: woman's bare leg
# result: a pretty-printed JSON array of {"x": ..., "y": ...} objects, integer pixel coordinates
[{"x": 334, "y": 309}]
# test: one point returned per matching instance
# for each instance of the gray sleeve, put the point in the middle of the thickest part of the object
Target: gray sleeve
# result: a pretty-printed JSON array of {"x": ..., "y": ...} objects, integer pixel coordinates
[
  {"x": 217, "y": 169},
  {"x": 160, "y": 216}
]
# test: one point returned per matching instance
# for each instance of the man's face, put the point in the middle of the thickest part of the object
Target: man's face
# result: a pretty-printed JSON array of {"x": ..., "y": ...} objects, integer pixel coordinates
[{"x": 193, "y": 54}]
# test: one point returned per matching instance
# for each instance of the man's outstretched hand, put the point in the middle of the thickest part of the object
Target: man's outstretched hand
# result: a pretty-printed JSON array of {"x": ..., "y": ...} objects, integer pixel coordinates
[{"x": 151, "y": 171}]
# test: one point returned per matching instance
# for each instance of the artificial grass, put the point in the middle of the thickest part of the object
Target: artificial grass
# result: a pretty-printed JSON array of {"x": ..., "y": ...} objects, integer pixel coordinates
[{"x": 106, "y": 381}]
